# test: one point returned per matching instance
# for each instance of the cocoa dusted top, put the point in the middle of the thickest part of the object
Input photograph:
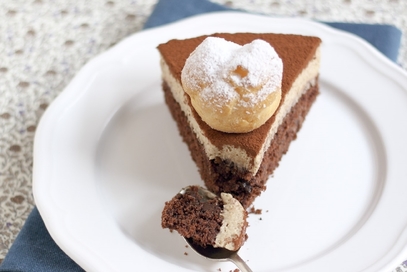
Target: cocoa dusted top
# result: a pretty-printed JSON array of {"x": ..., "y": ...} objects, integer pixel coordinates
[{"x": 296, "y": 51}]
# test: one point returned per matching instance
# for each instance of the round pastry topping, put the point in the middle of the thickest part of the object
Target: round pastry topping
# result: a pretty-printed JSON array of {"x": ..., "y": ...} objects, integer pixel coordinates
[{"x": 233, "y": 88}]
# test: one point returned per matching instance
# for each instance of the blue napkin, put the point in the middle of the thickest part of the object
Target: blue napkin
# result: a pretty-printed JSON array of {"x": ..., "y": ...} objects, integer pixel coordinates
[{"x": 34, "y": 250}]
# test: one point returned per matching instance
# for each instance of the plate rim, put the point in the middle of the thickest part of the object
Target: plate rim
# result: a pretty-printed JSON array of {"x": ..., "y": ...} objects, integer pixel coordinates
[{"x": 71, "y": 93}]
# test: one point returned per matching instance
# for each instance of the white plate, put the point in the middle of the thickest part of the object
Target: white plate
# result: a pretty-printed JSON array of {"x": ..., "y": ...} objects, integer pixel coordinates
[{"x": 108, "y": 155}]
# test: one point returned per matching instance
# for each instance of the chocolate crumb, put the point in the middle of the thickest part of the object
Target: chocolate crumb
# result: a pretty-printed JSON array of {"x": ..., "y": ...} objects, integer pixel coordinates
[
  {"x": 254, "y": 210},
  {"x": 186, "y": 253},
  {"x": 260, "y": 218}
]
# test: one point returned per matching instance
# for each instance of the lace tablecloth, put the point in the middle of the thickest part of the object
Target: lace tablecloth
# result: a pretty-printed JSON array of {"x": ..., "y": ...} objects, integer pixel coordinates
[{"x": 43, "y": 43}]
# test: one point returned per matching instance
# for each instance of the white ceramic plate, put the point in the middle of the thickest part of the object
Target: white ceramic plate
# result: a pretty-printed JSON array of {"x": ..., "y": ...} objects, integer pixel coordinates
[{"x": 108, "y": 155}]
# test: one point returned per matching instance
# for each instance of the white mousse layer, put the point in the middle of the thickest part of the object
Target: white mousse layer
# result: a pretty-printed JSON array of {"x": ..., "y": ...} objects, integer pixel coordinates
[
  {"x": 239, "y": 156},
  {"x": 233, "y": 224}
]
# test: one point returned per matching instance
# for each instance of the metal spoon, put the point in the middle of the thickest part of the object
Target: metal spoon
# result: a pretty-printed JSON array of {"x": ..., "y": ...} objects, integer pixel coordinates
[{"x": 215, "y": 253}]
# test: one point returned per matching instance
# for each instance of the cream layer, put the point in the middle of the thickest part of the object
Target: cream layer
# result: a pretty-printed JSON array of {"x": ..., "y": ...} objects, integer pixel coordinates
[
  {"x": 233, "y": 223},
  {"x": 237, "y": 155}
]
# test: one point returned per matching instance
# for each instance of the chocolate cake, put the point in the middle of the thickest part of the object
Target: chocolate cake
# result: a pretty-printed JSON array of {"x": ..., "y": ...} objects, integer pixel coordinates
[
  {"x": 207, "y": 219},
  {"x": 241, "y": 163}
]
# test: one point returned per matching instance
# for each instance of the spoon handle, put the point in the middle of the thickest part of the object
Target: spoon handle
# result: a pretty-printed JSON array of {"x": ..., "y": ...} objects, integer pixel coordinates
[{"x": 235, "y": 258}]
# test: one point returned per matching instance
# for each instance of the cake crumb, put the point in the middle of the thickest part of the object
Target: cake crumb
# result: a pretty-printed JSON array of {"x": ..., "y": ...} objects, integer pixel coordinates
[
  {"x": 254, "y": 210},
  {"x": 186, "y": 253},
  {"x": 219, "y": 269},
  {"x": 260, "y": 218},
  {"x": 236, "y": 270},
  {"x": 186, "y": 246}
]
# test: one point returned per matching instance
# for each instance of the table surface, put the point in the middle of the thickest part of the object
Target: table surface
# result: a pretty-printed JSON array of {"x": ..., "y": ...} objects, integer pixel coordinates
[{"x": 43, "y": 43}]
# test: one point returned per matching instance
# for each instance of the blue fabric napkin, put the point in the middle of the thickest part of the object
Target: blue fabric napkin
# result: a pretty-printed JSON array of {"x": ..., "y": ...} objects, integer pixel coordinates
[{"x": 34, "y": 250}]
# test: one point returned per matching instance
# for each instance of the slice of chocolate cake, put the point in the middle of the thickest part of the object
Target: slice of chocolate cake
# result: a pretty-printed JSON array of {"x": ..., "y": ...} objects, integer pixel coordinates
[
  {"x": 240, "y": 163},
  {"x": 207, "y": 219}
]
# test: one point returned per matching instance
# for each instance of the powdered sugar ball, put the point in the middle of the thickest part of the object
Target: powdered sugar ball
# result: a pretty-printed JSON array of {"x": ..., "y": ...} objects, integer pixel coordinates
[{"x": 233, "y": 88}]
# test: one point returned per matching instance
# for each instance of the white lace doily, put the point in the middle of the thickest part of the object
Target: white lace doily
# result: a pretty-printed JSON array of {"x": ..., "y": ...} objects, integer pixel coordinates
[{"x": 43, "y": 43}]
